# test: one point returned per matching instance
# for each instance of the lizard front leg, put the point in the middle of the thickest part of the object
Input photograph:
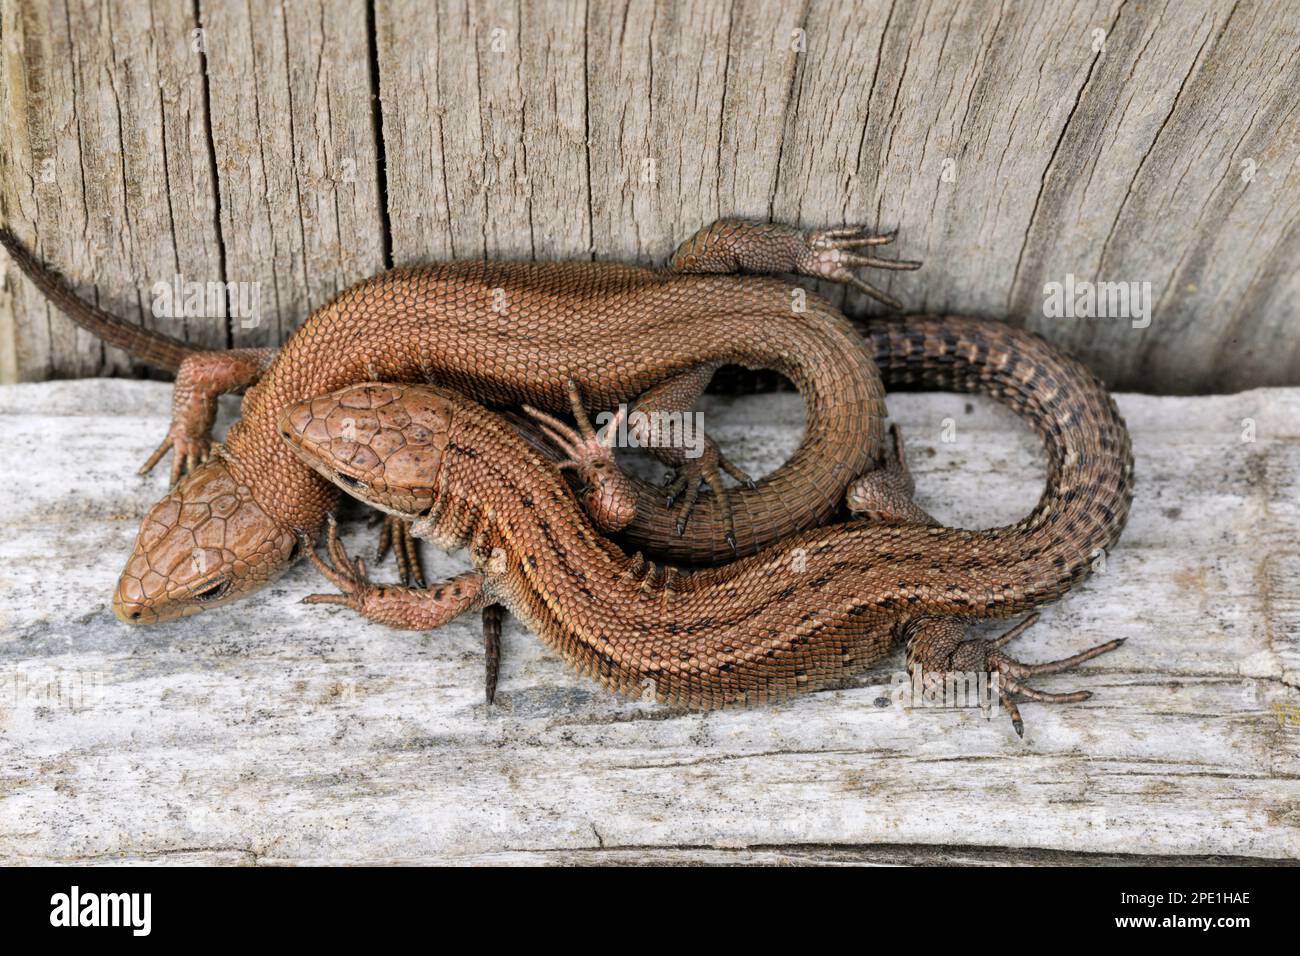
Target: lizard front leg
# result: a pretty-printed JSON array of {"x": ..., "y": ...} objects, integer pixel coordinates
[
  {"x": 201, "y": 379},
  {"x": 739, "y": 245},
  {"x": 412, "y": 609},
  {"x": 605, "y": 493},
  {"x": 655, "y": 423}
]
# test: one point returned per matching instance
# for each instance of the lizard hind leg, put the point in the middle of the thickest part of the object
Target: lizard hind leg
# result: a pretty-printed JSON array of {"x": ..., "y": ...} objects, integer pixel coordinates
[
  {"x": 885, "y": 494},
  {"x": 664, "y": 422},
  {"x": 939, "y": 645},
  {"x": 606, "y": 494},
  {"x": 737, "y": 245},
  {"x": 829, "y": 256}
]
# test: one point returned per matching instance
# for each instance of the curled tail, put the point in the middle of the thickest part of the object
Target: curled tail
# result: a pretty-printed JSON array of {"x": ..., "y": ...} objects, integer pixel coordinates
[
  {"x": 823, "y": 356},
  {"x": 155, "y": 348},
  {"x": 1089, "y": 489}
]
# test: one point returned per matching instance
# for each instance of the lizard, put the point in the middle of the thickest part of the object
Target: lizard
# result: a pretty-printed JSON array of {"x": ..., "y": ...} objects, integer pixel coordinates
[
  {"x": 506, "y": 333},
  {"x": 820, "y": 604}
]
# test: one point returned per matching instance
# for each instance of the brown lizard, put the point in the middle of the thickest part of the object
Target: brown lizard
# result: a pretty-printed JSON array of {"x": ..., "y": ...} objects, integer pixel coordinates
[
  {"x": 819, "y": 605},
  {"x": 506, "y": 333}
]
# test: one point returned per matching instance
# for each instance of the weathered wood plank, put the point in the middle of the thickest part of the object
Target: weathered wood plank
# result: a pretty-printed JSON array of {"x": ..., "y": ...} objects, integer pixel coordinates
[
  {"x": 274, "y": 732},
  {"x": 296, "y": 152},
  {"x": 106, "y": 171},
  {"x": 1013, "y": 145},
  {"x": 470, "y": 166},
  {"x": 407, "y": 42},
  {"x": 1180, "y": 169}
]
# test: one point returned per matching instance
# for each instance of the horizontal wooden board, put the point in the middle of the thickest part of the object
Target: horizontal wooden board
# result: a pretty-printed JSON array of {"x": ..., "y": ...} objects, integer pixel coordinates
[
  {"x": 273, "y": 732},
  {"x": 296, "y": 148}
]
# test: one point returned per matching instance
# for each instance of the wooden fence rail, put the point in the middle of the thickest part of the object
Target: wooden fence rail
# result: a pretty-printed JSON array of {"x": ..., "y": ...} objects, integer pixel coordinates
[{"x": 295, "y": 148}]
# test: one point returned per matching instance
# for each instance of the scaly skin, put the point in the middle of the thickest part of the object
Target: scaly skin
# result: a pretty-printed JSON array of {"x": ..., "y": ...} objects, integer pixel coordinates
[
  {"x": 508, "y": 333},
  {"x": 819, "y": 605}
]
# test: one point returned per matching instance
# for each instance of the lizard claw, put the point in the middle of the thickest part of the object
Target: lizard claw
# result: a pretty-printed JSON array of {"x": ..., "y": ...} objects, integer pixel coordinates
[
  {"x": 705, "y": 471},
  {"x": 189, "y": 453},
  {"x": 607, "y": 495},
  {"x": 696, "y": 474},
  {"x": 684, "y": 517},
  {"x": 349, "y": 576},
  {"x": 686, "y": 484},
  {"x": 674, "y": 484},
  {"x": 735, "y": 471},
  {"x": 395, "y": 532},
  {"x": 937, "y": 645},
  {"x": 828, "y": 257}
]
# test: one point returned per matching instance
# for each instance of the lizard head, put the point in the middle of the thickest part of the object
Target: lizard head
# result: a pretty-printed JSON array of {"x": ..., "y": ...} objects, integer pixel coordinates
[
  {"x": 207, "y": 543},
  {"x": 382, "y": 444}
]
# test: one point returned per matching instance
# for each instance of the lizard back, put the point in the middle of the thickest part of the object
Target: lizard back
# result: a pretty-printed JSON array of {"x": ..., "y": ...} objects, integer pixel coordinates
[{"x": 505, "y": 333}]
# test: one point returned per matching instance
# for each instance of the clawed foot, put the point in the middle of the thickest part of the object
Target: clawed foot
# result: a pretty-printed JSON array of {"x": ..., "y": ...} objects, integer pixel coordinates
[
  {"x": 828, "y": 258},
  {"x": 190, "y": 452},
  {"x": 394, "y": 532},
  {"x": 1013, "y": 671},
  {"x": 349, "y": 576},
  {"x": 412, "y": 609},
  {"x": 938, "y": 646},
  {"x": 705, "y": 472},
  {"x": 200, "y": 379},
  {"x": 606, "y": 493}
]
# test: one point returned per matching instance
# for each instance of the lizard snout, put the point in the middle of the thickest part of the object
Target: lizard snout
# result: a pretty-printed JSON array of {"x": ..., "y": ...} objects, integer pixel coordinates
[{"x": 129, "y": 610}]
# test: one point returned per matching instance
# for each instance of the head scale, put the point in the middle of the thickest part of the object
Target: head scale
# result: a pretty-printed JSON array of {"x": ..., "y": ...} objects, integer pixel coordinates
[
  {"x": 383, "y": 444},
  {"x": 205, "y": 544}
]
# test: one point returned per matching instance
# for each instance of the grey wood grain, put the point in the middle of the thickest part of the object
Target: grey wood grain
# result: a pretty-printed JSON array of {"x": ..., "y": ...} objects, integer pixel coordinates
[
  {"x": 1012, "y": 144},
  {"x": 274, "y": 732},
  {"x": 296, "y": 154},
  {"x": 105, "y": 172}
]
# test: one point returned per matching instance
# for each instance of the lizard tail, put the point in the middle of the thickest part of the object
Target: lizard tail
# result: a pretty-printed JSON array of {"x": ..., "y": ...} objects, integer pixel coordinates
[
  {"x": 155, "y": 348},
  {"x": 1089, "y": 489}
]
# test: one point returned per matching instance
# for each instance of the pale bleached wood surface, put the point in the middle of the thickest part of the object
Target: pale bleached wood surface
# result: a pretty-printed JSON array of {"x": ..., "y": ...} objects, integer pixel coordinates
[
  {"x": 272, "y": 732},
  {"x": 303, "y": 146}
]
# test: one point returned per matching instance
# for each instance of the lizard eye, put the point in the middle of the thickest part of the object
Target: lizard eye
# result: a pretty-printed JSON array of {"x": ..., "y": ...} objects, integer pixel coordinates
[
  {"x": 349, "y": 481},
  {"x": 213, "y": 591}
]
